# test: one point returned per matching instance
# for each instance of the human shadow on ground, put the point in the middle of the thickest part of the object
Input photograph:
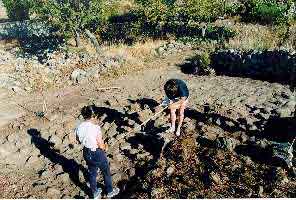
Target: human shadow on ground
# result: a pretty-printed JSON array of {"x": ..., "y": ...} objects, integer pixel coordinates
[
  {"x": 150, "y": 136},
  {"x": 119, "y": 118},
  {"x": 70, "y": 166},
  {"x": 145, "y": 102}
]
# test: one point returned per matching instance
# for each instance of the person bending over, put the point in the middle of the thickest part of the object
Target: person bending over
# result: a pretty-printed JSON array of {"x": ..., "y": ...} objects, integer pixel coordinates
[
  {"x": 177, "y": 93},
  {"x": 90, "y": 136}
]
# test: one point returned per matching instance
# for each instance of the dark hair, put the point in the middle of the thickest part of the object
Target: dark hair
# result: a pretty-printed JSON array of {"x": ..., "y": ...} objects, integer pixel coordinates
[
  {"x": 171, "y": 88},
  {"x": 88, "y": 111}
]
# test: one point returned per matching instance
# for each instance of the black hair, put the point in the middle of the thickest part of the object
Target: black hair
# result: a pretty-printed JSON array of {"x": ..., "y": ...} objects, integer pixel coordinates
[
  {"x": 88, "y": 111},
  {"x": 171, "y": 88}
]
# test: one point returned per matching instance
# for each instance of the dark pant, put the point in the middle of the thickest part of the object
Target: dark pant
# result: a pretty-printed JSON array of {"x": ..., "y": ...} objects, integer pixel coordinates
[{"x": 97, "y": 160}]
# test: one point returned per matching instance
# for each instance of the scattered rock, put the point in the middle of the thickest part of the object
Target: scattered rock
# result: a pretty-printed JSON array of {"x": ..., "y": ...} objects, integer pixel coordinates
[{"x": 170, "y": 171}]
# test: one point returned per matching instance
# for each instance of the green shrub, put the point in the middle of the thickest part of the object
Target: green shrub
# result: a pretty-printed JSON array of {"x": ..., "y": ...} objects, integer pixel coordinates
[
  {"x": 198, "y": 10},
  {"x": 177, "y": 15},
  {"x": 267, "y": 11},
  {"x": 17, "y": 9},
  {"x": 233, "y": 8}
]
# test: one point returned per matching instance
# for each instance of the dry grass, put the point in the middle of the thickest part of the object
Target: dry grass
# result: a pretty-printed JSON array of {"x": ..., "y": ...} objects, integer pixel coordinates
[
  {"x": 250, "y": 36},
  {"x": 135, "y": 56},
  {"x": 290, "y": 42}
]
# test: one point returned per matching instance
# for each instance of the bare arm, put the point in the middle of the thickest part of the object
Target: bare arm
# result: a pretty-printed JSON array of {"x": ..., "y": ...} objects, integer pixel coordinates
[{"x": 101, "y": 143}]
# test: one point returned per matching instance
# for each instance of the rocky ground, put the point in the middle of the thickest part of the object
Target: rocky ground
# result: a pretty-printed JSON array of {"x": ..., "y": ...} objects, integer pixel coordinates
[{"x": 225, "y": 149}]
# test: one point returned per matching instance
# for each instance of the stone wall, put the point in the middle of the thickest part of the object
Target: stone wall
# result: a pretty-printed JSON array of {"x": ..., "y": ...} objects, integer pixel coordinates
[{"x": 274, "y": 66}]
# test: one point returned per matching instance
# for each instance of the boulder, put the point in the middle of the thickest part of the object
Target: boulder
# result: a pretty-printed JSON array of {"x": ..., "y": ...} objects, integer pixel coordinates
[{"x": 78, "y": 75}]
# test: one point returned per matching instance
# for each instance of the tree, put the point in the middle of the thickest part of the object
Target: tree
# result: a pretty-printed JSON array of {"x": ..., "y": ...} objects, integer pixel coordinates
[{"x": 72, "y": 17}]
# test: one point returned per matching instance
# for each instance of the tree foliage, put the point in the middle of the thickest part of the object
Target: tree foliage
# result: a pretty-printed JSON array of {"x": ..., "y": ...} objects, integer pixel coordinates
[
  {"x": 163, "y": 12},
  {"x": 17, "y": 9},
  {"x": 71, "y": 16}
]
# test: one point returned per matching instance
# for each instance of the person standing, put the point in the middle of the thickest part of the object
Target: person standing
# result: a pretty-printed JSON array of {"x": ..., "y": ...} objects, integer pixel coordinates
[
  {"x": 177, "y": 93},
  {"x": 90, "y": 136}
]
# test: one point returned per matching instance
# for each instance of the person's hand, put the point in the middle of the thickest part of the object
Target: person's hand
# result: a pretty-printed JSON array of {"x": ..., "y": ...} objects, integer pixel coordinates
[{"x": 106, "y": 147}]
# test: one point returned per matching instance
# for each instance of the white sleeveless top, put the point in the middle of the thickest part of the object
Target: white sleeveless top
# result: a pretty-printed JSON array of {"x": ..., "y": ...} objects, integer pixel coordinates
[{"x": 88, "y": 133}]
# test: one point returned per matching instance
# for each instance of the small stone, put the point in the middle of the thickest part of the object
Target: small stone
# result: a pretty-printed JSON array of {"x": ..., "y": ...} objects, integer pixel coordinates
[
  {"x": 156, "y": 193},
  {"x": 170, "y": 171},
  {"x": 284, "y": 112},
  {"x": 78, "y": 75},
  {"x": 260, "y": 191},
  {"x": 106, "y": 125},
  {"x": 126, "y": 147},
  {"x": 44, "y": 174},
  {"x": 215, "y": 178},
  {"x": 253, "y": 128},
  {"x": 244, "y": 137},
  {"x": 120, "y": 136},
  {"x": 134, "y": 151},
  {"x": 218, "y": 122},
  {"x": 56, "y": 140},
  {"x": 230, "y": 123}
]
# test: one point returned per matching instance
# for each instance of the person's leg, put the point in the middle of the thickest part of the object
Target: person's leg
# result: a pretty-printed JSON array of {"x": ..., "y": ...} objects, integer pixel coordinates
[
  {"x": 92, "y": 170},
  {"x": 173, "y": 119},
  {"x": 173, "y": 108},
  {"x": 181, "y": 116},
  {"x": 104, "y": 167}
]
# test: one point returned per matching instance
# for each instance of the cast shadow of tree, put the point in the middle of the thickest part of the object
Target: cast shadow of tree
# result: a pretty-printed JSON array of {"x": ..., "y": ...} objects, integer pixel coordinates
[
  {"x": 33, "y": 41},
  {"x": 70, "y": 166},
  {"x": 273, "y": 66}
]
